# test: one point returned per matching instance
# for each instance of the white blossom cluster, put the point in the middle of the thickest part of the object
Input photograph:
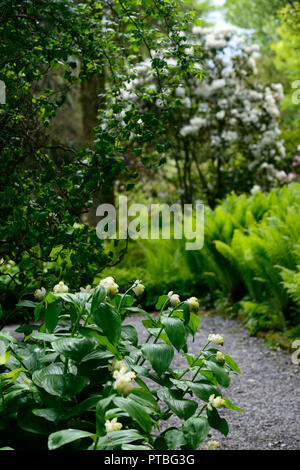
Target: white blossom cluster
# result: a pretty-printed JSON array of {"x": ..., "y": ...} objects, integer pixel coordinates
[{"x": 227, "y": 108}]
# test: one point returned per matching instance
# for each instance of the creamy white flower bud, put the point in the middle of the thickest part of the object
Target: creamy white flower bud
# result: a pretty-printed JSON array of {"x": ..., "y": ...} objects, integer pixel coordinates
[
  {"x": 123, "y": 380},
  {"x": 193, "y": 304},
  {"x": 174, "y": 299},
  {"x": 60, "y": 288},
  {"x": 220, "y": 357},
  {"x": 216, "y": 339},
  {"x": 111, "y": 287},
  {"x": 87, "y": 290},
  {"x": 215, "y": 402},
  {"x": 113, "y": 425},
  {"x": 138, "y": 288},
  {"x": 39, "y": 294},
  {"x": 212, "y": 445}
]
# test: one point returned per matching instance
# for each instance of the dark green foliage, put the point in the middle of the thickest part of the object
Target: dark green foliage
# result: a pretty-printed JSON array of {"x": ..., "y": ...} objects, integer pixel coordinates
[
  {"x": 67, "y": 388},
  {"x": 46, "y": 49}
]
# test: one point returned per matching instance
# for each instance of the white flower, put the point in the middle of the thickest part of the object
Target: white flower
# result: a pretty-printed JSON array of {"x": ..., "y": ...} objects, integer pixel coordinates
[
  {"x": 123, "y": 380},
  {"x": 229, "y": 136},
  {"x": 255, "y": 189},
  {"x": 87, "y": 290},
  {"x": 220, "y": 357},
  {"x": 138, "y": 288},
  {"x": 280, "y": 175},
  {"x": 117, "y": 365},
  {"x": 217, "y": 84},
  {"x": 212, "y": 445},
  {"x": 40, "y": 293},
  {"x": 193, "y": 303},
  {"x": 112, "y": 425},
  {"x": 60, "y": 288},
  {"x": 252, "y": 64},
  {"x": 197, "y": 122},
  {"x": 212, "y": 41},
  {"x": 215, "y": 402},
  {"x": 220, "y": 114},
  {"x": 216, "y": 339},
  {"x": 111, "y": 287},
  {"x": 180, "y": 92},
  {"x": 174, "y": 299}
]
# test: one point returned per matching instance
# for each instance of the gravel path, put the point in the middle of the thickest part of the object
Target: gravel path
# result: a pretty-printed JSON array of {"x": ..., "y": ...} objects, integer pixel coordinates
[{"x": 268, "y": 390}]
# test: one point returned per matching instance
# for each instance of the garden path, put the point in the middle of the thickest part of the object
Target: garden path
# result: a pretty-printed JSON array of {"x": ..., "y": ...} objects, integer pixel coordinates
[{"x": 268, "y": 390}]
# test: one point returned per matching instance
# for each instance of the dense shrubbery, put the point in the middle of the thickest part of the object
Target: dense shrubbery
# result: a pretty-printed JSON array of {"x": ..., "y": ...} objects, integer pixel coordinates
[
  {"x": 71, "y": 381},
  {"x": 250, "y": 257},
  {"x": 248, "y": 242}
]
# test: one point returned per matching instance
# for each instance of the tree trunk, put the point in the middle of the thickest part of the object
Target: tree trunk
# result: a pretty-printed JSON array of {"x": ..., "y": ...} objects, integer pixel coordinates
[{"x": 91, "y": 102}]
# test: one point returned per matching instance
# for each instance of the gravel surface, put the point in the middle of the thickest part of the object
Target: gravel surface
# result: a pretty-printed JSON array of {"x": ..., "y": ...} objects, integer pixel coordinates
[{"x": 268, "y": 390}]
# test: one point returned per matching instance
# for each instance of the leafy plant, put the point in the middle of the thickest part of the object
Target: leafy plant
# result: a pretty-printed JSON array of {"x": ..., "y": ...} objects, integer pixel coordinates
[{"x": 71, "y": 381}]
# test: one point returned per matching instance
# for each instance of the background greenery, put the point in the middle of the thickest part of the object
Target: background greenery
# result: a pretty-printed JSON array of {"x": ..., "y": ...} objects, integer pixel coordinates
[{"x": 71, "y": 139}]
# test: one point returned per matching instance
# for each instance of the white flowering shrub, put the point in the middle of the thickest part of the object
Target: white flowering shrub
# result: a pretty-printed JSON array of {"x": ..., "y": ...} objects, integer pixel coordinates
[
  {"x": 83, "y": 380},
  {"x": 224, "y": 130}
]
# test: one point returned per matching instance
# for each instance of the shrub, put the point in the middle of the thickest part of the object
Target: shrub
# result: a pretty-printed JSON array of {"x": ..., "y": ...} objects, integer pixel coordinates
[{"x": 82, "y": 380}]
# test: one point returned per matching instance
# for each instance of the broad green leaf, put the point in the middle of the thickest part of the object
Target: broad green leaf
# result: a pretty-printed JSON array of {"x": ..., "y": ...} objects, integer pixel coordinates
[
  {"x": 37, "y": 311},
  {"x": 133, "y": 447},
  {"x": 193, "y": 360},
  {"x": 162, "y": 335},
  {"x": 99, "y": 356},
  {"x": 145, "y": 398},
  {"x": 4, "y": 357},
  {"x": 116, "y": 438},
  {"x": 27, "y": 303},
  {"x": 194, "y": 322},
  {"x": 186, "y": 313},
  {"x": 100, "y": 414},
  {"x": 209, "y": 375},
  {"x": 219, "y": 371},
  {"x": 161, "y": 301},
  {"x": 231, "y": 406},
  {"x": 232, "y": 364},
  {"x": 129, "y": 333},
  {"x": 216, "y": 422},
  {"x": 34, "y": 424},
  {"x": 136, "y": 412},
  {"x": 50, "y": 414},
  {"x": 109, "y": 321},
  {"x": 175, "y": 330},
  {"x": 203, "y": 389},
  {"x": 195, "y": 431},
  {"x": 79, "y": 299},
  {"x": 102, "y": 340},
  {"x": 51, "y": 315},
  {"x": 160, "y": 356},
  {"x": 99, "y": 295},
  {"x": 11, "y": 376},
  {"x": 65, "y": 386},
  {"x": 87, "y": 404},
  {"x": 162, "y": 380},
  {"x": 74, "y": 348},
  {"x": 170, "y": 440},
  {"x": 183, "y": 408},
  {"x": 61, "y": 438},
  {"x": 43, "y": 336},
  {"x": 39, "y": 375}
]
